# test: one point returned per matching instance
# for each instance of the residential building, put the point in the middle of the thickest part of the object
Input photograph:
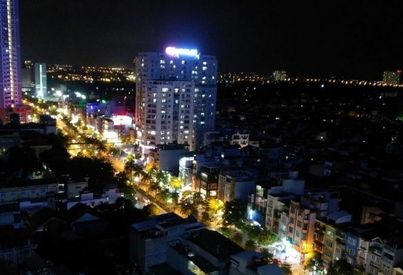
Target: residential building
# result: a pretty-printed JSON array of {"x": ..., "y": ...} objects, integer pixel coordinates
[
  {"x": 205, "y": 180},
  {"x": 168, "y": 110},
  {"x": 276, "y": 205},
  {"x": 384, "y": 255},
  {"x": 301, "y": 226},
  {"x": 271, "y": 197},
  {"x": 236, "y": 184},
  {"x": 253, "y": 263},
  {"x": 35, "y": 189},
  {"x": 323, "y": 202},
  {"x": 169, "y": 155},
  {"x": 329, "y": 238},
  {"x": 177, "y": 87},
  {"x": 108, "y": 197},
  {"x": 202, "y": 252},
  {"x": 358, "y": 239},
  {"x": 186, "y": 169},
  {"x": 149, "y": 240},
  {"x": 240, "y": 139},
  {"x": 15, "y": 245}
]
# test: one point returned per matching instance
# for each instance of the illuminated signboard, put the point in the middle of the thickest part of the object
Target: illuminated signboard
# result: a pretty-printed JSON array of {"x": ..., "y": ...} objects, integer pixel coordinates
[
  {"x": 122, "y": 120},
  {"x": 178, "y": 52}
]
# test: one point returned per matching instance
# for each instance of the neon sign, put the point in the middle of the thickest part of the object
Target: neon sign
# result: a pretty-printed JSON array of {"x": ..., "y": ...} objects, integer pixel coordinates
[{"x": 177, "y": 52}]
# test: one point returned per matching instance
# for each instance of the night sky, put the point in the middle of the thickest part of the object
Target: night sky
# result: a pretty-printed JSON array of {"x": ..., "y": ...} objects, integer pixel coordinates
[{"x": 354, "y": 38}]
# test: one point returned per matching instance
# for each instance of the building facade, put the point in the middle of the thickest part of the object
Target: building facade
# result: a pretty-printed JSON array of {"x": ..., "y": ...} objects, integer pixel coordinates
[
  {"x": 175, "y": 96},
  {"x": 41, "y": 87},
  {"x": 10, "y": 82}
]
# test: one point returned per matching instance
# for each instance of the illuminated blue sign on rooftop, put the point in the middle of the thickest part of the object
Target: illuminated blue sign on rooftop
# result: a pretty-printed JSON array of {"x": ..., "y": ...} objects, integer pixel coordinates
[{"x": 181, "y": 52}]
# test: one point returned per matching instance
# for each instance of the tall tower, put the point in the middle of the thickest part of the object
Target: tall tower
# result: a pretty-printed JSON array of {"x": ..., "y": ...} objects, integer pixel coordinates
[
  {"x": 175, "y": 96},
  {"x": 10, "y": 82},
  {"x": 41, "y": 90}
]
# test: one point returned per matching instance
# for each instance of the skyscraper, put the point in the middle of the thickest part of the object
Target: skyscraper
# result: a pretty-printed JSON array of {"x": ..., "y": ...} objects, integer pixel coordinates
[
  {"x": 175, "y": 96},
  {"x": 10, "y": 83},
  {"x": 41, "y": 89}
]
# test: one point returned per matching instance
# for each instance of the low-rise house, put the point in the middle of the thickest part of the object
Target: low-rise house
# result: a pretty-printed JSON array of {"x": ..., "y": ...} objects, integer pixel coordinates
[
  {"x": 149, "y": 239},
  {"x": 253, "y": 263},
  {"x": 29, "y": 190},
  {"x": 330, "y": 238},
  {"x": 236, "y": 184},
  {"x": 15, "y": 245}
]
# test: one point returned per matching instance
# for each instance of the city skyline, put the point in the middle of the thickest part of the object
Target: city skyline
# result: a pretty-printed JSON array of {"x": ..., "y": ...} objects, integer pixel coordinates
[{"x": 351, "y": 40}]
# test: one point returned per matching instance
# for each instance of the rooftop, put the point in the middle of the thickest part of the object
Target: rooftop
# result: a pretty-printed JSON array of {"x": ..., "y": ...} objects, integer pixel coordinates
[
  {"x": 163, "y": 269},
  {"x": 214, "y": 243},
  {"x": 199, "y": 261}
]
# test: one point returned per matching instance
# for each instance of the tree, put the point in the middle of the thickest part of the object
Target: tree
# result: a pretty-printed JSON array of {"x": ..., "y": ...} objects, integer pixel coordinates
[
  {"x": 198, "y": 198},
  {"x": 315, "y": 265},
  {"x": 132, "y": 169},
  {"x": 340, "y": 267},
  {"x": 214, "y": 205},
  {"x": 21, "y": 161},
  {"x": 237, "y": 238},
  {"x": 165, "y": 195},
  {"x": 266, "y": 237},
  {"x": 227, "y": 232},
  {"x": 253, "y": 231},
  {"x": 154, "y": 187},
  {"x": 188, "y": 208},
  {"x": 286, "y": 268},
  {"x": 234, "y": 213},
  {"x": 250, "y": 245},
  {"x": 186, "y": 194},
  {"x": 100, "y": 172},
  {"x": 176, "y": 183}
]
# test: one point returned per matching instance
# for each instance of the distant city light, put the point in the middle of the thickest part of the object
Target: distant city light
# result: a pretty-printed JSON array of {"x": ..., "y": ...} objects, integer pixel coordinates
[{"x": 177, "y": 52}]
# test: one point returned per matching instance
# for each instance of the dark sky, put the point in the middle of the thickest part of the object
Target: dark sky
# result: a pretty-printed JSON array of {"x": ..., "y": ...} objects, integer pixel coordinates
[{"x": 354, "y": 38}]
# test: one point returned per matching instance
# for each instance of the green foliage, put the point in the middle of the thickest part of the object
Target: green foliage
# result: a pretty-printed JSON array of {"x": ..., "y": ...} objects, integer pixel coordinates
[
  {"x": 234, "y": 213},
  {"x": 252, "y": 231},
  {"x": 315, "y": 264},
  {"x": 21, "y": 161},
  {"x": 237, "y": 238},
  {"x": 227, "y": 232},
  {"x": 57, "y": 157},
  {"x": 250, "y": 245},
  {"x": 266, "y": 237},
  {"x": 99, "y": 171},
  {"x": 340, "y": 267},
  {"x": 187, "y": 207}
]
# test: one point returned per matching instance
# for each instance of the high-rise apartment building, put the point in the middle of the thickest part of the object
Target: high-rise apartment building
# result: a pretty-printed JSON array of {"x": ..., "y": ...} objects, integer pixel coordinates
[
  {"x": 40, "y": 80},
  {"x": 175, "y": 96},
  {"x": 10, "y": 83},
  {"x": 280, "y": 76}
]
